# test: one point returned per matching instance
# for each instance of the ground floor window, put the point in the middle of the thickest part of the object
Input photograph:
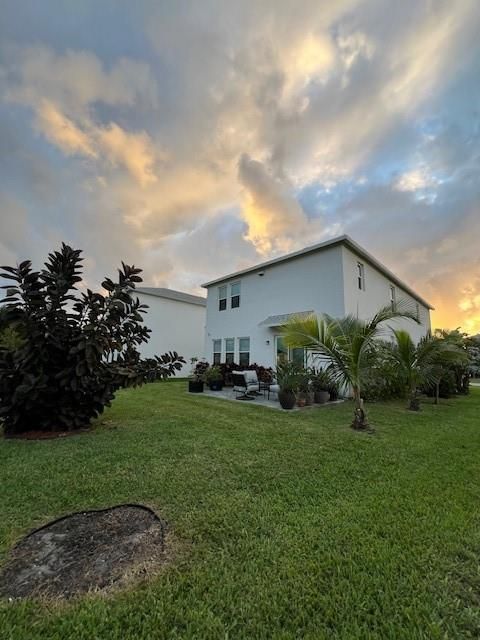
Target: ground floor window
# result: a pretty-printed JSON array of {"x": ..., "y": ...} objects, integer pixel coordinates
[
  {"x": 244, "y": 352},
  {"x": 229, "y": 350},
  {"x": 297, "y": 355},
  {"x": 281, "y": 349},
  {"x": 284, "y": 354},
  {"x": 217, "y": 351}
]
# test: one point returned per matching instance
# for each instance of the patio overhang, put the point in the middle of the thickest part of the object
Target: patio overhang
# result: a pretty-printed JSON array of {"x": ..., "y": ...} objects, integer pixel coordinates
[{"x": 277, "y": 321}]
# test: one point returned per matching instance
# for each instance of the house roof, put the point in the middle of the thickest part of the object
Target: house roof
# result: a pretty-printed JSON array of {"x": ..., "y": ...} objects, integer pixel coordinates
[
  {"x": 277, "y": 321},
  {"x": 171, "y": 294},
  {"x": 340, "y": 240}
]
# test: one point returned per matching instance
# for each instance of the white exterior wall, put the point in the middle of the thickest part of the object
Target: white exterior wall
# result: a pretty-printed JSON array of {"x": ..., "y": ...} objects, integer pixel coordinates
[
  {"x": 176, "y": 326},
  {"x": 365, "y": 303},
  {"x": 311, "y": 282}
]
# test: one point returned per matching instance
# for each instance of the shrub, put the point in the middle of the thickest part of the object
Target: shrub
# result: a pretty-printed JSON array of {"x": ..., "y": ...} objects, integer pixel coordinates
[
  {"x": 264, "y": 374},
  {"x": 383, "y": 381},
  {"x": 213, "y": 374},
  {"x": 78, "y": 348},
  {"x": 447, "y": 386}
]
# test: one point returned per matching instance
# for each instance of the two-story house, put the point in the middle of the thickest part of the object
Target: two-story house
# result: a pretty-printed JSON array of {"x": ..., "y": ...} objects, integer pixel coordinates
[{"x": 337, "y": 277}]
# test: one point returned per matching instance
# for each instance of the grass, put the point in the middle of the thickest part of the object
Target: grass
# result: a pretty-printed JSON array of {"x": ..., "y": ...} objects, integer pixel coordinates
[{"x": 289, "y": 526}]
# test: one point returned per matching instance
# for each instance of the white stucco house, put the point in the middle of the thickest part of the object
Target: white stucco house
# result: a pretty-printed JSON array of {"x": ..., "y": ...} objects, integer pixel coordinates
[
  {"x": 338, "y": 277},
  {"x": 177, "y": 321}
]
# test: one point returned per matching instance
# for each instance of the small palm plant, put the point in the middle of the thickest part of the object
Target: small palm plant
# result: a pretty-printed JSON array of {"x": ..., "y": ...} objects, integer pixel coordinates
[
  {"x": 348, "y": 345},
  {"x": 421, "y": 364}
]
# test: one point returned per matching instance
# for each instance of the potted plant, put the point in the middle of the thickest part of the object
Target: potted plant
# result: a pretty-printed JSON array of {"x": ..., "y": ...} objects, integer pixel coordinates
[
  {"x": 321, "y": 384},
  {"x": 305, "y": 395},
  {"x": 333, "y": 390},
  {"x": 197, "y": 375},
  {"x": 287, "y": 378},
  {"x": 214, "y": 379}
]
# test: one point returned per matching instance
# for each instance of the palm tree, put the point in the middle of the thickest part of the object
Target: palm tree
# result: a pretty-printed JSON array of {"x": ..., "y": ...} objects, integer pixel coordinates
[
  {"x": 349, "y": 345},
  {"x": 421, "y": 364}
]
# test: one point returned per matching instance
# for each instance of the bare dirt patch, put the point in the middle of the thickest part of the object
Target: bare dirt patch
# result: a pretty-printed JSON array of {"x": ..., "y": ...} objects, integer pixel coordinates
[{"x": 87, "y": 551}]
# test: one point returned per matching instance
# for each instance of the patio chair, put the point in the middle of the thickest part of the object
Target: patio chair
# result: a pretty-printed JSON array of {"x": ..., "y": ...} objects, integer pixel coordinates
[
  {"x": 273, "y": 388},
  {"x": 242, "y": 387},
  {"x": 252, "y": 382}
]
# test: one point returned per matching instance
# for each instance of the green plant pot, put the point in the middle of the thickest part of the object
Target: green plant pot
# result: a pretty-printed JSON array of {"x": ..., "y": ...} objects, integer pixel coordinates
[{"x": 287, "y": 399}]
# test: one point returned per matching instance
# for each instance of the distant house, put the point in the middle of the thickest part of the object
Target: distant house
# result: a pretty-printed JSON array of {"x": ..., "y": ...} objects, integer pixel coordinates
[
  {"x": 177, "y": 321},
  {"x": 338, "y": 277}
]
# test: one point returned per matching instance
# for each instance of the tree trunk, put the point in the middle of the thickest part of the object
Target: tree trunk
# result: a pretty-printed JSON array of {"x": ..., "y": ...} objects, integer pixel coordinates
[
  {"x": 437, "y": 392},
  {"x": 414, "y": 403},
  {"x": 360, "y": 422}
]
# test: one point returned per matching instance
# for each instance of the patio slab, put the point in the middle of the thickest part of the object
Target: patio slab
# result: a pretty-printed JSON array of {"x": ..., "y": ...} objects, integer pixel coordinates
[{"x": 227, "y": 393}]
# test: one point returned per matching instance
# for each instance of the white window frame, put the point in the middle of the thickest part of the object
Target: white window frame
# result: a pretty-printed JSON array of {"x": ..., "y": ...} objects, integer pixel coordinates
[
  {"x": 289, "y": 352},
  {"x": 221, "y": 298},
  {"x": 215, "y": 352},
  {"x": 360, "y": 276},
  {"x": 240, "y": 351},
  {"x": 237, "y": 295},
  {"x": 232, "y": 351},
  {"x": 393, "y": 297}
]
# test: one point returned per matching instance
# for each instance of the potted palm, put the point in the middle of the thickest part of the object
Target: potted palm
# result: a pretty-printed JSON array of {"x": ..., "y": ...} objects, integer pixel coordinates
[
  {"x": 214, "y": 378},
  {"x": 305, "y": 394},
  {"x": 197, "y": 375},
  {"x": 287, "y": 378},
  {"x": 321, "y": 383}
]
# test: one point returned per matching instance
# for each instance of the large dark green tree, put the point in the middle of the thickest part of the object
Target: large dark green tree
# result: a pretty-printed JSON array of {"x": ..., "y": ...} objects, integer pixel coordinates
[{"x": 77, "y": 348}]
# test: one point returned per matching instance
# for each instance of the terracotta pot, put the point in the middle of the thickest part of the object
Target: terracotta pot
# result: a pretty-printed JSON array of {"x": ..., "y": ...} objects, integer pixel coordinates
[
  {"x": 286, "y": 398},
  {"x": 321, "y": 397},
  {"x": 301, "y": 399}
]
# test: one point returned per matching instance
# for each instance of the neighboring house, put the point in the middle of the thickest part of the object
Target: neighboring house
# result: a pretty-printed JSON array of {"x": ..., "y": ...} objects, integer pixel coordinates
[
  {"x": 337, "y": 277},
  {"x": 177, "y": 321}
]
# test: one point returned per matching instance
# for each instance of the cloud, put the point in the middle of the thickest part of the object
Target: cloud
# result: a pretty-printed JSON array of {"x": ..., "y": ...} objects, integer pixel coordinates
[
  {"x": 62, "y": 132},
  {"x": 135, "y": 151},
  {"x": 415, "y": 180},
  {"x": 274, "y": 218},
  {"x": 76, "y": 79}
]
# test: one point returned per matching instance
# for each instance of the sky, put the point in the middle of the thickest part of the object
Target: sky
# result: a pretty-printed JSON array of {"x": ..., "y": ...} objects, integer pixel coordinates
[{"x": 193, "y": 139}]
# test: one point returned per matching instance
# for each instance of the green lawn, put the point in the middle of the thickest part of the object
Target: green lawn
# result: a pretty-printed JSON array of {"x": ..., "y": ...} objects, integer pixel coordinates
[{"x": 288, "y": 525}]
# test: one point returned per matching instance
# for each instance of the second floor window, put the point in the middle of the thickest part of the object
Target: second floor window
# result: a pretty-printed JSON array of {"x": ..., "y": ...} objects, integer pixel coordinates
[
  {"x": 222, "y": 298},
  {"x": 235, "y": 295},
  {"x": 361, "y": 276},
  {"x": 393, "y": 297}
]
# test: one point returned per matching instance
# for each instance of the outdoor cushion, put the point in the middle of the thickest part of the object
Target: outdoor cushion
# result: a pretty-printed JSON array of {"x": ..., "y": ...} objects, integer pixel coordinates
[{"x": 251, "y": 377}]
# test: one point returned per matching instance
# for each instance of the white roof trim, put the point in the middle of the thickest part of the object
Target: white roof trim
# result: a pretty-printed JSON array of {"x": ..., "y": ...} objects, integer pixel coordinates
[{"x": 171, "y": 294}]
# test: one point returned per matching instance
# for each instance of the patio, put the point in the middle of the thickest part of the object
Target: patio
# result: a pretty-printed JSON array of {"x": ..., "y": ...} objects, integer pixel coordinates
[{"x": 227, "y": 393}]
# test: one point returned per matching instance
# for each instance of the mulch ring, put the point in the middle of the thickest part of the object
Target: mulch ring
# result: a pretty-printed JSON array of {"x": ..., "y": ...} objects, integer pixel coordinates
[{"x": 86, "y": 551}]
